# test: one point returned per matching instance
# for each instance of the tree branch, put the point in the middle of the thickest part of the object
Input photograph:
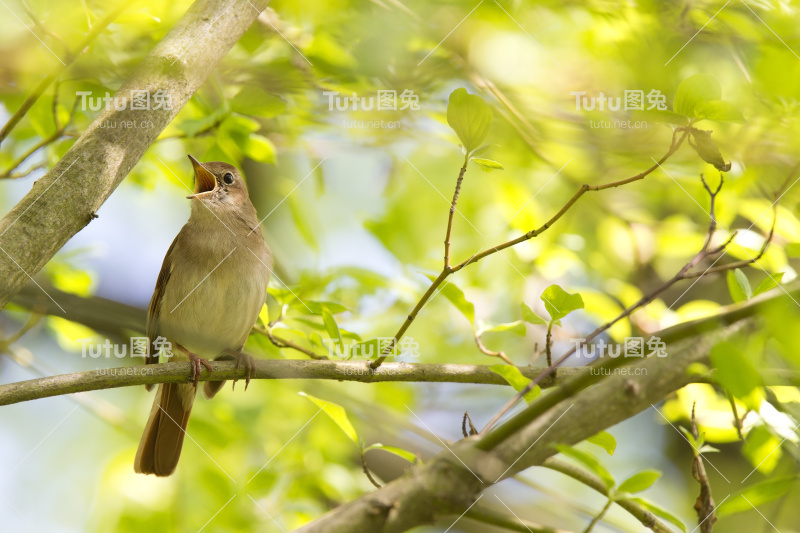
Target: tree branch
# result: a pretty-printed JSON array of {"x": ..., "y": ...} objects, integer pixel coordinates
[
  {"x": 446, "y": 486},
  {"x": 448, "y": 270},
  {"x": 180, "y": 372},
  {"x": 67, "y": 198},
  {"x": 648, "y": 519}
]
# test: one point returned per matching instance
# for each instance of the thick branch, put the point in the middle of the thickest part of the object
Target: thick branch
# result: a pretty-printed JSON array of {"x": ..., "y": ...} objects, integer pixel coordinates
[
  {"x": 109, "y": 378},
  {"x": 443, "y": 486},
  {"x": 67, "y": 198}
]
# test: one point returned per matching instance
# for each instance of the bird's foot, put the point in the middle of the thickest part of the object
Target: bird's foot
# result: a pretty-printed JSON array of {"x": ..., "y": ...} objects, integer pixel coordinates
[
  {"x": 249, "y": 364},
  {"x": 197, "y": 367}
]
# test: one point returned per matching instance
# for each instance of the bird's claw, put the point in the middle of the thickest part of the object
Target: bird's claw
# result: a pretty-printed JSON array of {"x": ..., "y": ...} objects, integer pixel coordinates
[
  {"x": 197, "y": 367},
  {"x": 249, "y": 365}
]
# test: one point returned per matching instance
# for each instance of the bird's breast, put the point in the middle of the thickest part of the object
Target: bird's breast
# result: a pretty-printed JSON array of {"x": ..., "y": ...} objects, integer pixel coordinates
[{"x": 214, "y": 294}]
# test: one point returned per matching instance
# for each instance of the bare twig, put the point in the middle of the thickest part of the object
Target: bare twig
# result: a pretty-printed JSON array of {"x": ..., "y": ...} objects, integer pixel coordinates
[
  {"x": 704, "y": 505},
  {"x": 599, "y": 516},
  {"x": 284, "y": 343},
  {"x": 683, "y": 274},
  {"x": 491, "y": 353},
  {"x": 447, "y": 271},
  {"x": 452, "y": 212}
]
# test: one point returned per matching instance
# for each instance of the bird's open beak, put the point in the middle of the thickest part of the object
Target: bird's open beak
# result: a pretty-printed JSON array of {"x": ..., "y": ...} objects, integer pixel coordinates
[{"x": 204, "y": 181}]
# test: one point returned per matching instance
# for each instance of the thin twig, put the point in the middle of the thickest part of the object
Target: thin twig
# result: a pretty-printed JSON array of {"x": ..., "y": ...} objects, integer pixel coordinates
[
  {"x": 676, "y": 144},
  {"x": 684, "y": 273},
  {"x": 285, "y": 343},
  {"x": 489, "y": 352},
  {"x": 452, "y": 212},
  {"x": 599, "y": 516},
  {"x": 704, "y": 505}
]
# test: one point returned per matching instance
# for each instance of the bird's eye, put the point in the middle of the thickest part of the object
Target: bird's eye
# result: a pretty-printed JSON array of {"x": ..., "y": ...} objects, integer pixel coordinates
[{"x": 228, "y": 178}]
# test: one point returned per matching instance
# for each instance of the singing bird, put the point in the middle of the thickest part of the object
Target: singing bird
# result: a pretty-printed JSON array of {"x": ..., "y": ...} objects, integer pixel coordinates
[{"x": 209, "y": 292}]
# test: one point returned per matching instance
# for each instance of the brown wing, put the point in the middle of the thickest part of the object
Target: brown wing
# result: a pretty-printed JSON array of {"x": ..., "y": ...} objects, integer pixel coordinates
[{"x": 154, "y": 310}]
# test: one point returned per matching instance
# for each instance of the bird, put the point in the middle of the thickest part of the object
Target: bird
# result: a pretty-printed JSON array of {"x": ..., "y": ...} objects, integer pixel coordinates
[{"x": 209, "y": 292}]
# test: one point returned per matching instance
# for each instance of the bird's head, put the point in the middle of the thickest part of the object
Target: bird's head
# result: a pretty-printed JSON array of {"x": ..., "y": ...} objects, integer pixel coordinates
[{"x": 219, "y": 185}]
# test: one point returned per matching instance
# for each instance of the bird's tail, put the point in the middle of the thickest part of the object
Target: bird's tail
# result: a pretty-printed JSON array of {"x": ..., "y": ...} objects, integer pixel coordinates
[{"x": 160, "y": 447}]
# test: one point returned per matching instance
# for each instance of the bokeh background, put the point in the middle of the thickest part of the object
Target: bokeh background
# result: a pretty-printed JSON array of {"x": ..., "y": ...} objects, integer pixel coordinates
[{"x": 357, "y": 215}]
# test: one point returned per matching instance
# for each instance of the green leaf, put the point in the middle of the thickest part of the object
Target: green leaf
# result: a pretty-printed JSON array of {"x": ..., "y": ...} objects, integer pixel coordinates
[
  {"x": 639, "y": 482},
  {"x": 470, "y": 117},
  {"x": 517, "y": 327},
  {"x": 768, "y": 283},
  {"x": 660, "y": 512},
  {"x": 259, "y": 148},
  {"x": 456, "y": 297},
  {"x": 589, "y": 461},
  {"x": 735, "y": 371},
  {"x": 792, "y": 249},
  {"x": 694, "y": 91},
  {"x": 739, "y": 285},
  {"x": 605, "y": 440},
  {"x": 263, "y": 315},
  {"x": 487, "y": 165},
  {"x": 337, "y": 414},
  {"x": 762, "y": 449},
  {"x": 696, "y": 444},
  {"x": 256, "y": 101},
  {"x": 405, "y": 454},
  {"x": 331, "y": 327},
  {"x": 530, "y": 317},
  {"x": 719, "y": 110},
  {"x": 708, "y": 150},
  {"x": 560, "y": 303},
  {"x": 514, "y": 377},
  {"x": 756, "y": 495}
]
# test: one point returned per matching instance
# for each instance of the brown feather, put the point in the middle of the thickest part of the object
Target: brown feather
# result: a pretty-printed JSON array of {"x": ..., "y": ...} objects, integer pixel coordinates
[{"x": 160, "y": 447}]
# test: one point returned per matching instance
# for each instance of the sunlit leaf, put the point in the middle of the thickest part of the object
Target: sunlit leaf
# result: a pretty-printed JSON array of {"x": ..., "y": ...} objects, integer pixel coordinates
[
  {"x": 405, "y": 454},
  {"x": 739, "y": 285},
  {"x": 768, "y": 283},
  {"x": 589, "y": 461},
  {"x": 756, "y": 495},
  {"x": 696, "y": 90},
  {"x": 530, "y": 317},
  {"x": 560, "y": 303},
  {"x": 639, "y": 482},
  {"x": 517, "y": 327},
  {"x": 487, "y": 165},
  {"x": 661, "y": 512},
  {"x": 514, "y": 377},
  {"x": 734, "y": 369},
  {"x": 256, "y": 101},
  {"x": 605, "y": 440},
  {"x": 337, "y": 413},
  {"x": 470, "y": 117},
  {"x": 457, "y": 298}
]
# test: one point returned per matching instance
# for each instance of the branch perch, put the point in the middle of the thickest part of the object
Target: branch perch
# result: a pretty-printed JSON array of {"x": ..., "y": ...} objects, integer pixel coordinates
[{"x": 179, "y": 372}]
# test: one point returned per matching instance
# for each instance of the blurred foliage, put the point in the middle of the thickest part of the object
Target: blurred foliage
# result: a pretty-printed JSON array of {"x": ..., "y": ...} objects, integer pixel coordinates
[{"x": 361, "y": 232}]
